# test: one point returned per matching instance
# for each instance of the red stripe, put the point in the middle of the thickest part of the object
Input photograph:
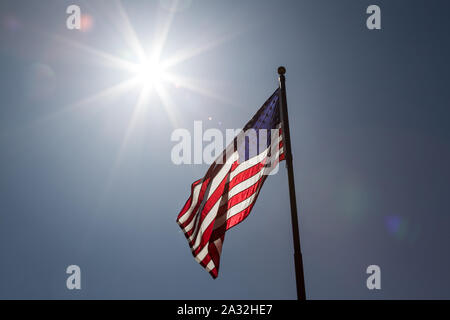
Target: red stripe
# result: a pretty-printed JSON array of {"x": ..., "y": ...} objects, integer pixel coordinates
[
  {"x": 205, "y": 238},
  {"x": 214, "y": 232},
  {"x": 236, "y": 199},
  {"x": 210, "y": 202},
  {"x": 189, "y": 201},
  {"x": 214, "y": 273},
  {"x": 215, "y": 255},
  {"x": 200, "y": 199},
  {"x": 243, "y": 195},
  {"x": 244, "y": 175},
  {"x": 239, "y": 217}
]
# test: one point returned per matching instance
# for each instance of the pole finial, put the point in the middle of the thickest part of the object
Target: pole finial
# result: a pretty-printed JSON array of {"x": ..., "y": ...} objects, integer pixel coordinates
[{"x": 281, "y": 70}]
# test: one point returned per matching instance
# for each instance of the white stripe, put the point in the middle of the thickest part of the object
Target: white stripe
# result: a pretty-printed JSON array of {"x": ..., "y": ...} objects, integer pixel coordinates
[
  {"x": 210, "y": 265},
  {"x": 194, "y": 200},
  {"x": 202, "y": 254},
  {"x": 205, "y": 223},
  {"x": 222, "y": 173},
  {"x": 246, "y": 202},
  {"x": 191, "y": 224},
  {"x": 212, "y": 187},
  {"x": 241, "y": 167},
  {"x": 236, "y": 209},
  {"x": 213, "y": 212},
  {"x": 253, "y": 179},
  {"x": 242, "y": 205},
  {"x": 252, "y": 161},
  {"x": 245, "y": 184}
]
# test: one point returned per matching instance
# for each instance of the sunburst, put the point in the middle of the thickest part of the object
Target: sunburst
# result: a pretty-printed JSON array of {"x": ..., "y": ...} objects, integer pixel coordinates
[{"x": 149, "y": 72}]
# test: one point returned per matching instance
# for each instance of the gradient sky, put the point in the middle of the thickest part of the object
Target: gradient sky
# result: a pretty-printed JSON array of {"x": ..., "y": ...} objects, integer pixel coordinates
[{"x": 84, "y": 182}]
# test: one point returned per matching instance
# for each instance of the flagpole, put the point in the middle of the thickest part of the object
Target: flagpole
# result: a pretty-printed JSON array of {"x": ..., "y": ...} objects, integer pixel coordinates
[{"x": 299, "y": 277}]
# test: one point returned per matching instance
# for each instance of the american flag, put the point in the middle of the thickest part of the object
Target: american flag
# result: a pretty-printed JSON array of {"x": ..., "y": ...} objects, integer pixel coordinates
[{"x": 226, "y": 194}]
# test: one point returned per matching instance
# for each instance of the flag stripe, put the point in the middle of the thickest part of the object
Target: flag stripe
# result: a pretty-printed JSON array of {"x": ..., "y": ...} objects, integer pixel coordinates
[
  {"x": 190, "y": 204},
  {"x": 228, "y": 191},
  {"x": 214, "y": 196}
]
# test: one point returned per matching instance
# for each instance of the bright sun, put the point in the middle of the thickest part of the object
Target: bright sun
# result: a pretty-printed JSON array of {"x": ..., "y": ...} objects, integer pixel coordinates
[
  {"x": 147, "y": 68},
  {"x": 151, "y": 73}
]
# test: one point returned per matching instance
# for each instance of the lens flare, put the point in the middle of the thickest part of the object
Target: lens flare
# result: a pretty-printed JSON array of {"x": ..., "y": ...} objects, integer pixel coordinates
[
  {"x": 397, "y": 226},
  {"x": 87, "y": 22}
]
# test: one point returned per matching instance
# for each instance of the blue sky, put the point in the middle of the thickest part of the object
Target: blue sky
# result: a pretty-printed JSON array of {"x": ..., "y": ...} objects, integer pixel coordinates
[{"x": 87, "y": 178}]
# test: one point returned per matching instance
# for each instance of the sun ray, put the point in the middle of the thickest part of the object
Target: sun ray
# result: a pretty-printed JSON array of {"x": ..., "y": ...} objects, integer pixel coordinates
[
  {"x": 110, "y": 92},
  {"x": 129, "y": 33},
  {"x": 151, "y": 81},
  {"x": 168, "y": 104},
  {"x": 197, "y": 86},
  {"x": 103, "y": 57},
  {"x": 186, "y": 54},
  {"x": 163, "y": 34},
  {"x": 89, "y": 101},
  {"x": 136, "y": 114}
]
